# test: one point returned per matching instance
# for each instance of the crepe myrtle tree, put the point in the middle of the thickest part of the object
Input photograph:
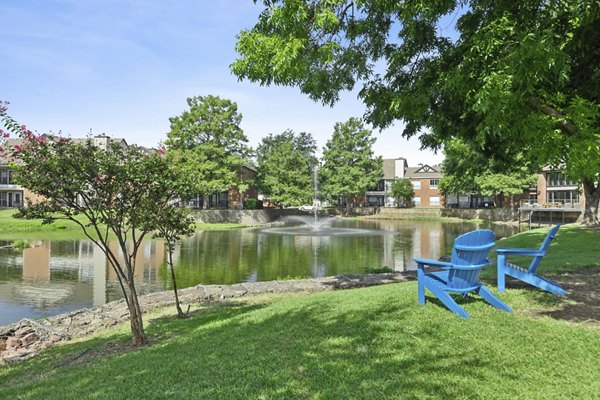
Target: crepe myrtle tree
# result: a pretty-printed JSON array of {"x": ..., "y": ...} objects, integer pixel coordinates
[
  {"x": 172, "y": 224},
  {"x": 114, "y": 195}
]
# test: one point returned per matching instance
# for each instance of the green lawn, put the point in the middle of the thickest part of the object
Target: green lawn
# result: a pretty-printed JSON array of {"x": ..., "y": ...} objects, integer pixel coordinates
[
  {"x": 574, "y": 248},
  {"x": 20, "y": 228},
  {"x": 368, "y": 343},
  {"x": 16, "y": 228}
]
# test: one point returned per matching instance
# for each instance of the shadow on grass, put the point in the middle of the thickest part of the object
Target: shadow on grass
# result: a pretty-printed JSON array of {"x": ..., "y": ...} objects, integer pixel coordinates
[
  {"x": 582, "y": 304},
  {"x": 291, "y": 349},
  {"x": 369, "y": 343}
]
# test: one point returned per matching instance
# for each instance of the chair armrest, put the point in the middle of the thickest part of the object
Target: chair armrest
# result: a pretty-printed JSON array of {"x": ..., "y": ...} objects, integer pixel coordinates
[
  {"x": 521, "y": 252},
  {"x": 424, "y": 261}
]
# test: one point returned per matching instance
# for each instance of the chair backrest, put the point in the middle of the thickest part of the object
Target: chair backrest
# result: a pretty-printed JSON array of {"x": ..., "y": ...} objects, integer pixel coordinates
[
  {"x": 470, "y": 250},
  {"x": 544, "y": 247}
]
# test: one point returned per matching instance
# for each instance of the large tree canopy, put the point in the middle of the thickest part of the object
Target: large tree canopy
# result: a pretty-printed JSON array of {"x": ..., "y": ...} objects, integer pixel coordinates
[
  {"x": 349, "y": 164},
  {"x": 207, "y": 145},
  {"x": 285, "y": 164},
  {"x": 466, "y": 171},
  {"x": 504, "y": 76}
]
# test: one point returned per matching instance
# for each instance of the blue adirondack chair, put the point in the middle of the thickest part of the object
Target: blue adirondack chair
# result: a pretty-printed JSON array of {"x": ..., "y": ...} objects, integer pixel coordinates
[
  {"x": 527, "y": 275},
  {"x": 461, "y": 274}
]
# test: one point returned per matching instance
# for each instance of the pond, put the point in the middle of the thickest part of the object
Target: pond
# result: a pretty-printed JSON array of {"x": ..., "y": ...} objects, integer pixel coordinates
[{"x": 53, "y": 277}]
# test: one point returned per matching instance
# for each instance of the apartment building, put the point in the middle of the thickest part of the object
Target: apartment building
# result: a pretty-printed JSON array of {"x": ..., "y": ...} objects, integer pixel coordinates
[
  {"x": 554, "y": 187},
  {"x": 228, "y": 199},
  {"x": 381, "y": 194},
  {"x": 14, "y": 196},
  {"x": 11, "y": 194},
  {"x": 424, "y": 178}
]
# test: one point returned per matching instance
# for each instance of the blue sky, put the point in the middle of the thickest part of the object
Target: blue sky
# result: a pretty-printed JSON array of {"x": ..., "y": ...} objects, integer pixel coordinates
[{"x": 124, "y": 67}]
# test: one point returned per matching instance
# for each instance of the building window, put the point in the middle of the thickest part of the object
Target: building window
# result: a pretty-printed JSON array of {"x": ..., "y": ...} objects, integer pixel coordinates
[
  {"x": 433, "y": 183},
  {"x": 416, "y": 184},
  {"x": 374, "y": 201},
  {"x": 559, "y": 179},
  {"x": 417, "y": 201},
  {"x": 563, "y": 196},
  {"x": 434, "y": 201},
  {"x": 4, "y": 177}
]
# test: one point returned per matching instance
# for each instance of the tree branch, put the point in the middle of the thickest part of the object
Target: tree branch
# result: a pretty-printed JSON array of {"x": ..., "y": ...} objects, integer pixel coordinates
[{"x": 564, "y": 124}]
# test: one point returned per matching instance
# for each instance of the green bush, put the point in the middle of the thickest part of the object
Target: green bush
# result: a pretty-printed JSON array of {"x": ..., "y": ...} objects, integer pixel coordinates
[
  {"x": 251, "y": 204},
  {"x": 21, "y": 213},
  {"x": 20, "y": 245}
]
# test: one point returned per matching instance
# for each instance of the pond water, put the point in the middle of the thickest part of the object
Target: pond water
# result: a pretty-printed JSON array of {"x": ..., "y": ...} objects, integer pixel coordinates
[{"x": 53, "y": 277}]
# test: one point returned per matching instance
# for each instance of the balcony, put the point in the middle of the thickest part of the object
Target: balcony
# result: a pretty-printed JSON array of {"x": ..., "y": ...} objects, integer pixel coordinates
[
  {"x": 10, "y": 186},
  {"x": 553, "y": 205}
]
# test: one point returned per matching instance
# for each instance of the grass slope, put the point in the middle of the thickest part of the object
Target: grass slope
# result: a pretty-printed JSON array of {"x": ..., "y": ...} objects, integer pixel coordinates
[
  {"x": 370, "y": 343},
  {"x": 16, "y": 228},
  {"x": 20, "y": 228},
  {"x": 575, "y": 247}
]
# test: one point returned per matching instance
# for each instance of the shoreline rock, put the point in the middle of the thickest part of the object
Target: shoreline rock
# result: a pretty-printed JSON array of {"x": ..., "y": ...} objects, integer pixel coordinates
[{"x": 26, "y": 338}]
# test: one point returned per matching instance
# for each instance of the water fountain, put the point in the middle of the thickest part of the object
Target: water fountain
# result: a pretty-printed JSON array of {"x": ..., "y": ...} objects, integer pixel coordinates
[{"x": 316, "y": 225}]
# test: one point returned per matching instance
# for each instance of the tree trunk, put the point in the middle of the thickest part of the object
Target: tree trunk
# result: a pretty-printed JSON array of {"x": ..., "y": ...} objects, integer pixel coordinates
[
  {"x": 135, "y": 316},
  {"x": 592, "y": 198},
  {"x": 499, "y": 200},
  {"x": 180, "y": 313}
]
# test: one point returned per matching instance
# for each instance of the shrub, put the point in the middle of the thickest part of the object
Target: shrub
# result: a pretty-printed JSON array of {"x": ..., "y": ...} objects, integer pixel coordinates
[
  {"x": 250, "y": 203},
  {"x": 20, "y": 245}
]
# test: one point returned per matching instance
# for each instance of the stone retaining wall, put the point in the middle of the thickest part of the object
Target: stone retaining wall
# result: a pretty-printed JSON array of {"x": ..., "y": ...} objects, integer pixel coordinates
[
  {"x": 487, "y": 214},
  {"x": 270, "y": 215},
  {"x": 244, "y": 217},
  {"x": 404, "y": 213}
]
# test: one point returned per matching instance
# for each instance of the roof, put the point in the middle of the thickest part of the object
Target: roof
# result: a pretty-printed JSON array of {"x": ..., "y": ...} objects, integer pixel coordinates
[
  {"x": 424, "y": 172},
  {"x": 250, "y": 166}
]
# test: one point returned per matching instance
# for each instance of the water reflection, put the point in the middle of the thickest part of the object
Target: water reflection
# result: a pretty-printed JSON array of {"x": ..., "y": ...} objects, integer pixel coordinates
[{"x": 58, "y": 276}]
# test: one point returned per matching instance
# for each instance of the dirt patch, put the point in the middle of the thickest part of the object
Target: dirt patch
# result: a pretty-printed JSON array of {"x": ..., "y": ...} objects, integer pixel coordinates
[{"x": 582, "y": 305}]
